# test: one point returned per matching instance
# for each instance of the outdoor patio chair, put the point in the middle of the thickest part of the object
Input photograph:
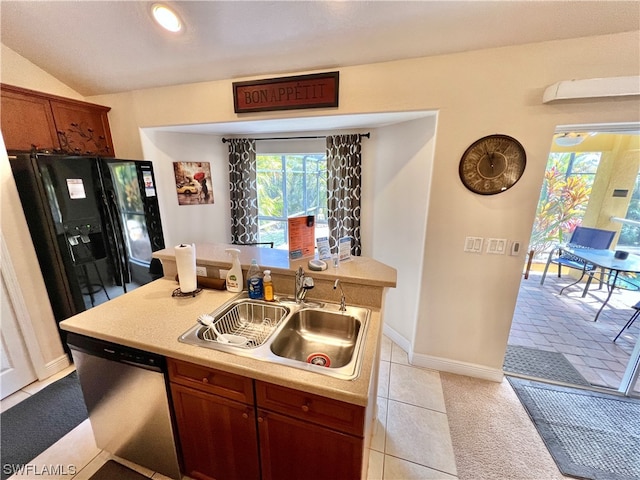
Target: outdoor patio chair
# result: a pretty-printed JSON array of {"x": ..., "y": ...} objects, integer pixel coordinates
[
  {"x": 582, "y": 237},
  {"x": 631, "y": 320}
]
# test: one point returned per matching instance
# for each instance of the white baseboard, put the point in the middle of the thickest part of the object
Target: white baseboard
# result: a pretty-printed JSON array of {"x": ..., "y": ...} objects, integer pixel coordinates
[
  {"x": 442, "y": 364},
  {"x": 54, "y": 367},
  {"x": 396, "y": 338},
  {"x": 459, "y": 368}
]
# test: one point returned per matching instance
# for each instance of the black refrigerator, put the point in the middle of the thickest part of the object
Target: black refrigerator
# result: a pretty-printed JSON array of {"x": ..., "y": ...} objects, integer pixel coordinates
[{"x": 94, "y": 223}]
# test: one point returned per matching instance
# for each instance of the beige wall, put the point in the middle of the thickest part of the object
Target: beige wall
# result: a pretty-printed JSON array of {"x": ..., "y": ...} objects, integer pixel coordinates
[
  {"x": 463, "y": 302},
  {"x": 190, "y": 223},
  {"x": 467, "y": 300}
]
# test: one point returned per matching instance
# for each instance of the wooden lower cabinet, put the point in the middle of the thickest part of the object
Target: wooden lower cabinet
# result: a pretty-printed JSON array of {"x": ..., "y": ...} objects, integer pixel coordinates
[
  {"x": 292, "y": 449},
  {"x": 232, "y": 427},
  {"x": 217, "y": 436}
]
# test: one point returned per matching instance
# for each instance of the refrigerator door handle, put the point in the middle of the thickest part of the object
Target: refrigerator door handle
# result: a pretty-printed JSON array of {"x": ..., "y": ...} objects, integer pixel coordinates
[{"x": 111, "y": 207}]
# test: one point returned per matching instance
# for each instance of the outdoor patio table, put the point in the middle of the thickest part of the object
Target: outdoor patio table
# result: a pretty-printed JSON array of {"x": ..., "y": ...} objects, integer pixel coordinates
[{"x": 604, "y": 259}]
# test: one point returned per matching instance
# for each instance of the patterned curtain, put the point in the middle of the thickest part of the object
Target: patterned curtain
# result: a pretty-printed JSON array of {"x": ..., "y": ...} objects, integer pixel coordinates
[
  {"x": 243, "y": 190},
  {"x": 344, "y": 158}
]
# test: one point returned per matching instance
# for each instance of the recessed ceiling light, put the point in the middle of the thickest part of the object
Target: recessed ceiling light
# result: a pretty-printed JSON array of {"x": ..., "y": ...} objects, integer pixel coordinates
[{"x": 166, "y": 18}]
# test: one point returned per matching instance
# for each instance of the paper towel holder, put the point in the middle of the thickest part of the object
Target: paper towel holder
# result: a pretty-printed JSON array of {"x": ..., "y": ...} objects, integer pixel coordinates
[{"x": 179, "y": 293}]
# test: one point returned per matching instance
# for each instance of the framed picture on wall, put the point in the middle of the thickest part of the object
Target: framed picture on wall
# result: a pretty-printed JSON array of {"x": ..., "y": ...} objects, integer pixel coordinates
[{"x": 193, "y": 183}]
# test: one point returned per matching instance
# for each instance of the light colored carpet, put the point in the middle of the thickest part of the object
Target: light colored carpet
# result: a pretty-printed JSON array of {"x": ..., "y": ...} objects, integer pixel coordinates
[{"x": 492, "y": 434}]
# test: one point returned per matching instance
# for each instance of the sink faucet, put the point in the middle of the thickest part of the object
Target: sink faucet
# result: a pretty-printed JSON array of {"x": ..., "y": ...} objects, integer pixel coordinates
[
  {"x": 303, "y": 284},
  {"x": 343, "y": 301}
]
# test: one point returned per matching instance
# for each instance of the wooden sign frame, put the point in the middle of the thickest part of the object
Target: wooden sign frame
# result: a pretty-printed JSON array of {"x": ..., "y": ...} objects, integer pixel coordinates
[{"x": 318, "y": 90}]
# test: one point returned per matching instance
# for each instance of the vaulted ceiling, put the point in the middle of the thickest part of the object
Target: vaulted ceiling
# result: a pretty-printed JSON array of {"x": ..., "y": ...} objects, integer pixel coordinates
[{"x": 98, "y": 47}]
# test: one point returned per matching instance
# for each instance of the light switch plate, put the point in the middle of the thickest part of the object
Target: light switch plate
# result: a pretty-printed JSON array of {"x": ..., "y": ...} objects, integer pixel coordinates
[
  {"x": 201, "y": 271},
  {"x": 473, "y": 244},
  {"x": 497, "y": 246}
]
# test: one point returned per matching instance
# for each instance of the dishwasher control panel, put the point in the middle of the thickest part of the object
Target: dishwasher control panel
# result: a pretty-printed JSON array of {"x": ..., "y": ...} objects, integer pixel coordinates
[{"x": 115, "y": 352}]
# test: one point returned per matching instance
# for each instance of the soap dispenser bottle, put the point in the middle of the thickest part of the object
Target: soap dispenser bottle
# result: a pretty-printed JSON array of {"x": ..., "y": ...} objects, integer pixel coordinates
[
  {"x": 234, "y": 275},
  {"x": 267, "y": 284},
  {"x": 254, "y": 281}
]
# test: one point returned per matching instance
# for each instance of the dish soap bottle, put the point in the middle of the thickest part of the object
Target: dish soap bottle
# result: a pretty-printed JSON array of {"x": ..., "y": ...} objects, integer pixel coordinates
[
  {"x": 234, "y": 276},
  {"x": 254, "y": 281},
  {"x": 267, "y": 284}
]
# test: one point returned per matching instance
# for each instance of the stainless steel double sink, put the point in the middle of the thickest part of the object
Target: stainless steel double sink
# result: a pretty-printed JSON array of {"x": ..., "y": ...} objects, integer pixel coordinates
[{"x": 316, "y": 337}]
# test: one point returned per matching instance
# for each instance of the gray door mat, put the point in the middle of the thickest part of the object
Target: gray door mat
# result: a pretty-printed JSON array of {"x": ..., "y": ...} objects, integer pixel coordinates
[
  {"x": 589, "y": 434},
  {"x": 29, "y": 427},
  {"x": 542, "y": 364}
]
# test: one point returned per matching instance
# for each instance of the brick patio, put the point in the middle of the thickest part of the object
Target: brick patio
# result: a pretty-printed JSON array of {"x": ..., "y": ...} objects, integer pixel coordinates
[{"x": 564, "y": 323}]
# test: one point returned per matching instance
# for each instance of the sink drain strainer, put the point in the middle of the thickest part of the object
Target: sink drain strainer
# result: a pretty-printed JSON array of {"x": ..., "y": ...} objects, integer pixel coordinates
[{"x": 319, "y": 359}]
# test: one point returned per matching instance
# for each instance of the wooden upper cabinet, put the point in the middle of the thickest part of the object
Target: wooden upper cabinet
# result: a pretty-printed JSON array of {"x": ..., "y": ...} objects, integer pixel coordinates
[
  {"x": 82, "y": 129},
  {"x": 47, "y": 122},
  {"x": 27, "y": 122}
]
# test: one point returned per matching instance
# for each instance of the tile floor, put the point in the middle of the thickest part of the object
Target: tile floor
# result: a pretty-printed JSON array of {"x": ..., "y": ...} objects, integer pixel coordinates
[
  {"x": 411, "y": 441},
  {"x": 564, "y": 323}
]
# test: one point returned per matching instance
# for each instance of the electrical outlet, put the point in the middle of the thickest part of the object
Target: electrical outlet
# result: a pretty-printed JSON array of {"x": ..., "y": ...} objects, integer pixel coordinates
[{"x": 201, "y": 271}]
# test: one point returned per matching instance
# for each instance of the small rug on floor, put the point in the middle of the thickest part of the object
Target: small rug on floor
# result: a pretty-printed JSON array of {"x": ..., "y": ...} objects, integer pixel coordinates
[
  {"x": 36, "y": 423},
  {"x": 542, "y": 364},
  {"x": 589, "y": 435},
  {"x": 113, "y": 470}
]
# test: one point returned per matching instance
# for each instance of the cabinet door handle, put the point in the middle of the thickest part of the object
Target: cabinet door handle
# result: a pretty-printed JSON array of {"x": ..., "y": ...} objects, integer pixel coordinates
[
  {"x": 205, "y": 380},
  {"x": 260, "y": 419},
  {"x": 246, "y": 415},
  {"x": 305, "y": 407}
]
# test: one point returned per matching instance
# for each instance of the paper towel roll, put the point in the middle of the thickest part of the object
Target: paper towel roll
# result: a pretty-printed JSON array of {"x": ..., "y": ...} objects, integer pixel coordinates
[{"x": 186, "y": 265}]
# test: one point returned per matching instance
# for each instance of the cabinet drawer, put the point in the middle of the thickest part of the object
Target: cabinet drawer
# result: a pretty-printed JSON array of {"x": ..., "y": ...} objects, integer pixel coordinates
[
  {"x": 335, "y": 414},
  {"x": 228, "y": 385}
]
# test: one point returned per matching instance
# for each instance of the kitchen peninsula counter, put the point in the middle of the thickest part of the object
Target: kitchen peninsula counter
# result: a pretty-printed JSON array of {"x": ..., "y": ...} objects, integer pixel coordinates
[
  {"x": 362, "y": 270},
  {"x": 151, "y": 319}
]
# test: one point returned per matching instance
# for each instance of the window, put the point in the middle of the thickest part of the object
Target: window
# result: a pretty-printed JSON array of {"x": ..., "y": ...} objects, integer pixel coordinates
[
  {"x": 583, "y": 165},
  {"x": 290, "y": 185},
  {"x": 565, "y": 194},
  {"x": 630, "y": 232}
]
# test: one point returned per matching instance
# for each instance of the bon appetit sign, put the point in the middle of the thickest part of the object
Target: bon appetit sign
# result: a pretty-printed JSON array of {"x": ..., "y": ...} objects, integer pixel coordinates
[{"x": 319, "y": 90}]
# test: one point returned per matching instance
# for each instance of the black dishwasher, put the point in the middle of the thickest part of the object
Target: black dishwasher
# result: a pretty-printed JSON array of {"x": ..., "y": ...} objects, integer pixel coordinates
[{"x": 126, "y": 395}]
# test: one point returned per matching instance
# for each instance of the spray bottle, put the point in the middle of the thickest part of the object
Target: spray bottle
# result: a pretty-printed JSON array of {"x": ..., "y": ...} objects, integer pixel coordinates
[{"x": 234, "y": 276}]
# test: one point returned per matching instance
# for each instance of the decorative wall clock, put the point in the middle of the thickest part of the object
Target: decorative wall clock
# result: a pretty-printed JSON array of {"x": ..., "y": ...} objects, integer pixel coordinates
[{"x": 492, "y": 164}]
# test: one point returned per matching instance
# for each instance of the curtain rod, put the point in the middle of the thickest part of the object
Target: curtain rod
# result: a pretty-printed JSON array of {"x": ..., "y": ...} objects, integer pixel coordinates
[{"x": 225, "y": 140}]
